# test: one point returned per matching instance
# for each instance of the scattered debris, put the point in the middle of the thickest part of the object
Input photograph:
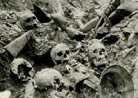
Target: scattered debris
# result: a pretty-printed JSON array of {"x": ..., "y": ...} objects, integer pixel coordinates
[{"x": 79, "y": 48}]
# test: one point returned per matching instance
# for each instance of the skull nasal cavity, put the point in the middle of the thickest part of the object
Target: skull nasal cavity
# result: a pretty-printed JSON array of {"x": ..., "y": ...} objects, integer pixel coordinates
[
  {"x": 59, "y": 53},
  {"x": 101, "y": 53},
  {"x": 65, "y": 55},
  {"x": 28, "y": 20},
  {"x": 67, "y": 52}
]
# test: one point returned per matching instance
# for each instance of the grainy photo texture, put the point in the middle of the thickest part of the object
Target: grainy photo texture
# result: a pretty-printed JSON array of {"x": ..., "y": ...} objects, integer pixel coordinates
[{"x": 68, "y": 48}]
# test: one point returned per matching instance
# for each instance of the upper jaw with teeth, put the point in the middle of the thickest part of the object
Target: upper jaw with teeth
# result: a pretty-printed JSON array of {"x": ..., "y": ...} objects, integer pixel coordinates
[{"x": 100, "y": 61}]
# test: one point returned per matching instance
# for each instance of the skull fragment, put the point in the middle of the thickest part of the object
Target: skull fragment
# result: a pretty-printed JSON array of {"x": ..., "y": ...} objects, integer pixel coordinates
[
  {"x": 97, "y": 53},
  {"x": 27, "y": 20},
  {"x": 22, "y": 68},
  {"x": 60, "y": 53},
  {"x": 48, "y": 78}
]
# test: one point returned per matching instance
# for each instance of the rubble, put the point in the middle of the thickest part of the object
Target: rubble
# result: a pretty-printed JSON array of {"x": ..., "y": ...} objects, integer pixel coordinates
[{"x": 79, "y": 48}]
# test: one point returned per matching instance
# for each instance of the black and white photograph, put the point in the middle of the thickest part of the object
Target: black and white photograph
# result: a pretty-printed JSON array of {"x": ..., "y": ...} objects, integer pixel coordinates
[{"x": 68, "y": 48}]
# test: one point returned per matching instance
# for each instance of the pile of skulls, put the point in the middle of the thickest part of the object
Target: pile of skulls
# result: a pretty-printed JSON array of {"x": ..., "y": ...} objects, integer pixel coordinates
[{"x": 71, "y": 50}]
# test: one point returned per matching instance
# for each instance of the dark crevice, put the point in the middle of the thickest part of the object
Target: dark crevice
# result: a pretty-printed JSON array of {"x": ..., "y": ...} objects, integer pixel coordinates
[
  {"x": 110, "y": 40},
  {"x": 41, "y": 16},
  {"x": 118, "y": 15}
]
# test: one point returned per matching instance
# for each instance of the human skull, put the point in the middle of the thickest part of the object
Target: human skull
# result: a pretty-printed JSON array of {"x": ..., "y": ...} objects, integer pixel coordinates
[
  {"x": 48, "y": 78},
  {"x": 60, "y": 53},
  {"x": 97, "y": 53},
  {"x": 27, "y": 20},
  {"x": 22, "y": 68},
  {"x": 49, "y": 6}
]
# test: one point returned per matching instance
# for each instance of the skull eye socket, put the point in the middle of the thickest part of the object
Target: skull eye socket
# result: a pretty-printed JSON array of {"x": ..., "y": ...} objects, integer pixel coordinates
[
  {"x": 102, "y": 50},
  {"x": 67, "y": 52},
  {"x": 34, "y": 17},
  {"x": 28, "y": 20},
  {"x": 95, "y": 51},
  {"x": 47, "y": 4},
  {"x": 60, "y": 53},
  {"x": 56, "y": 79}
]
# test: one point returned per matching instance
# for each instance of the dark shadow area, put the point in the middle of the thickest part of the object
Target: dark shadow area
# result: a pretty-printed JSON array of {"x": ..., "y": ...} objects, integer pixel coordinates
[
  {"x": 41, "y": 16},
  {"x": 110, "y": 40},
  {"x": 118, "y": 15}
]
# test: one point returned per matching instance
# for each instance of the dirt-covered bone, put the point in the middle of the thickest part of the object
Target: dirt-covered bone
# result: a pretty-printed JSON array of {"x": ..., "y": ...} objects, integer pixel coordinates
[
  {"x": 27, "y": 20},
  {"x": 97, "y": 53},
  {"x": 80, "y": 15},
  {"x": 89, "y": 25},
  {"x": 75, "y": 34},
  {"x": 48, "y": 78},
  {"x": 22, "y": 68},
  {"x": 60, "y": 53},
  {"x": 53, "y": 9},
  {"x": 60, "y": 20}
]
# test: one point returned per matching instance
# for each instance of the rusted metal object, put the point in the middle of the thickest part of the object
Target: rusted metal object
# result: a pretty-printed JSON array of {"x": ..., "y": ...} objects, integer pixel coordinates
[{"x": 116, "y": 82}]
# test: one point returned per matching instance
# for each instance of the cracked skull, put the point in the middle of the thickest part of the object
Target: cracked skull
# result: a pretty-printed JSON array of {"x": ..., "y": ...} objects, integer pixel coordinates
[
  {"x": 22, "y": 68},
  {"x": 60, "y": 53},
  {"x": 48, "y": 78},
  {"x": 27, "y": 20},
  {"x": 97, "y": 53}
]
